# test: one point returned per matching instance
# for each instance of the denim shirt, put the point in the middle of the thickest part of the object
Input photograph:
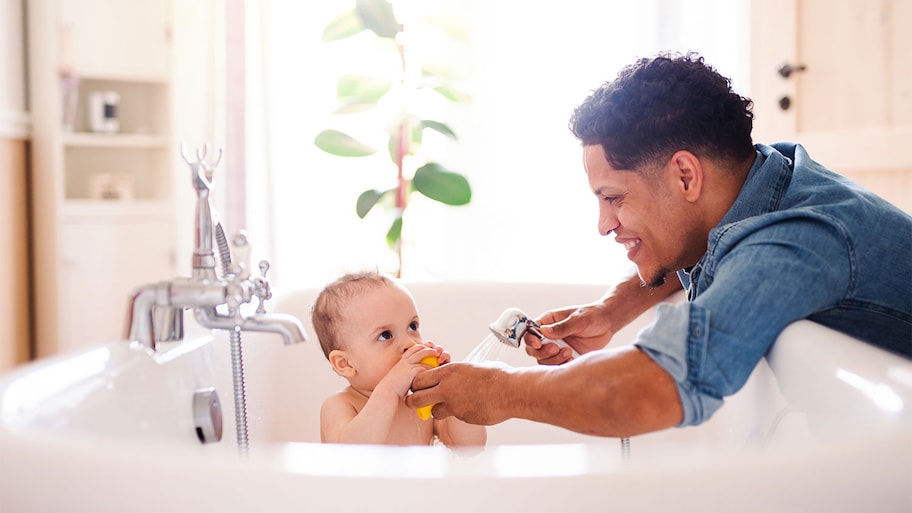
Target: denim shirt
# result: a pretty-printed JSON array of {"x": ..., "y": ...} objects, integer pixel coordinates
[{"x": 799, "y": 242}]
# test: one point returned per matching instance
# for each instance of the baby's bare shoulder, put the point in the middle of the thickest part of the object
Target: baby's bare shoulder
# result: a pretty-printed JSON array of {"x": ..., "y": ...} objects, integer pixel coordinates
[{"x": 345, "y": 399}]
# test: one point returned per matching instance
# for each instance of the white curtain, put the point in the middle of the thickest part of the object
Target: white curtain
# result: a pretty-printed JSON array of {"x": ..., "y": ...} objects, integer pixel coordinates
[{"x": 532, "y": 217}]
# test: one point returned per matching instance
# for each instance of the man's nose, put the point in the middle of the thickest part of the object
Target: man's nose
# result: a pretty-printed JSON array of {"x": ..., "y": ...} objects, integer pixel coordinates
[{"x": 608, "y": 221}]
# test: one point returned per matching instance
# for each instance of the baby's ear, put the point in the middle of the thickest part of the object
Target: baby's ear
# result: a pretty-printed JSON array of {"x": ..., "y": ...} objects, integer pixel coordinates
[{"x": 340, "y": 364}]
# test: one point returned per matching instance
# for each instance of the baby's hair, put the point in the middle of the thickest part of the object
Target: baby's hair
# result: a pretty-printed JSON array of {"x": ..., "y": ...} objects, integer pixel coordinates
[{"x": 326, "y": 313}]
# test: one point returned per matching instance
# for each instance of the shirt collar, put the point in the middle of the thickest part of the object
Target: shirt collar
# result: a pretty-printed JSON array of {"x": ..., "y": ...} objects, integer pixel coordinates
[{"x": 766, "y": 182}]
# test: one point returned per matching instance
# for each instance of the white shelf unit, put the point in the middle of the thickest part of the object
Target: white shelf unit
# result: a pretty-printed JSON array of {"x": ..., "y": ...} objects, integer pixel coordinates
[{"x": 102, "y": 203}]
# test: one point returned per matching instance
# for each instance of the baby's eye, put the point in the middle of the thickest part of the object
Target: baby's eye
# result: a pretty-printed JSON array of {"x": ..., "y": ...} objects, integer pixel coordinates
[
  {"x": 413, "y": 326},
  {"x": 386, "y": 335}
]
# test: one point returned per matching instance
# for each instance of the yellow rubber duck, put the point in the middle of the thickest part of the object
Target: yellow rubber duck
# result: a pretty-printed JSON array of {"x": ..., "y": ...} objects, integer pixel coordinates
[{"x": 424, "y": 412}]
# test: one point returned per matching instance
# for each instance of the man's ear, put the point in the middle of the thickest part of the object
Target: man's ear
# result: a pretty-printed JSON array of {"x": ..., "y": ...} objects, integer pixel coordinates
[
  {"x": 688, "y": 172},
  {"x": 340, "y": 364}
]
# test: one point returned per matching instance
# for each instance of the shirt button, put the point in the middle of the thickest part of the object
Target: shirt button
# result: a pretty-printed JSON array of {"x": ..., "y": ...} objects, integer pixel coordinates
[{"x": 697, "y": 331}]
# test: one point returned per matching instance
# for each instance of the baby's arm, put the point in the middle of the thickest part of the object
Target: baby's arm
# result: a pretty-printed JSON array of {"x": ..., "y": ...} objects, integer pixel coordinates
[
  {"x": 340, "y": 422},
  {"x": 456, "y": 433}
]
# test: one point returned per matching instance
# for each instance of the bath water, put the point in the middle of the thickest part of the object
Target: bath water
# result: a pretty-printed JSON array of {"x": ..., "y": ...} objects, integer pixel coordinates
[{"x": 488, "y": 349}]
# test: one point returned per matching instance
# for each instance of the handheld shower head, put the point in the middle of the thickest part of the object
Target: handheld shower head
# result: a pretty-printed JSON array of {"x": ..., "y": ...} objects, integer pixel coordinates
[{"x": 513, "y": 324}]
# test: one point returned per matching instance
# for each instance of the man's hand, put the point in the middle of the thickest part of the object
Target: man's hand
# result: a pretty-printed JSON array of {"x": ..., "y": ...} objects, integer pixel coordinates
[
  {"x": 590, "y": 327},
  {"x": 585, "y": 328},
  {"x": 469, "y": 392}
]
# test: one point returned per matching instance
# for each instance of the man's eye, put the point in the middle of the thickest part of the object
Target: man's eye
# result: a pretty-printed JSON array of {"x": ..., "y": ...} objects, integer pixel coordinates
[
  {"x": 611, "y": 199},
  {"x": 386, "y": 335}
]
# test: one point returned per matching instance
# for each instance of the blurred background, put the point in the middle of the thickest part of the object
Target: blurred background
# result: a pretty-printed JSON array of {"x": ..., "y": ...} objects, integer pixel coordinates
[{"x": 96, "y": 97}]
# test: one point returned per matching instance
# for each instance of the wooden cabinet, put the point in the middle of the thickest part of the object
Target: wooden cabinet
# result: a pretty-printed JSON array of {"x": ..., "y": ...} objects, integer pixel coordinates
[
  {"x": 102, "y": 200},
  {"x": 103, "y": 257},
  {"x": 115, "y": 38}
]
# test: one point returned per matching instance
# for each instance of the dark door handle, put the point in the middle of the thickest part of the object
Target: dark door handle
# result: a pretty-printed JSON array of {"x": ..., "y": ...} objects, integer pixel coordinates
[{"x": 787, "y": 69}]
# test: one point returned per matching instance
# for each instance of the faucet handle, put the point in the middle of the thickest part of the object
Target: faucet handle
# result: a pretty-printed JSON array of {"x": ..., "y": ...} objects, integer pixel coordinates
[
  {"x": 241, "y": 261},
  {"x": 262, "y": 290}
]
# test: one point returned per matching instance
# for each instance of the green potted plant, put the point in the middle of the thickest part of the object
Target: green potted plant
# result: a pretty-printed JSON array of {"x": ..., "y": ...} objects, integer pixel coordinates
[{"x": 357, "y": 93}]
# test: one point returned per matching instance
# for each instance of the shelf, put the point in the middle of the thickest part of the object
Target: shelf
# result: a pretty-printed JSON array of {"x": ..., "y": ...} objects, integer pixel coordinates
[
  {"x": 102, "y": 202},
  {"x": 142, "y": 109},
  {"x": 115, "y": 210},
  {"x": 150, "y": 80},
  {"x": 92, "y": 140}
]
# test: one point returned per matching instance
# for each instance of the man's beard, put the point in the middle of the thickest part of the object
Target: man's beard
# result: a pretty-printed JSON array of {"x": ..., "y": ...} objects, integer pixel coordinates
[{"x": 657, "y": 281}]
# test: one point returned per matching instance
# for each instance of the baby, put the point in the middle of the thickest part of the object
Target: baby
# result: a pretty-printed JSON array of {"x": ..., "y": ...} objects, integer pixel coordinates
[{"x": 368, "y": 328}]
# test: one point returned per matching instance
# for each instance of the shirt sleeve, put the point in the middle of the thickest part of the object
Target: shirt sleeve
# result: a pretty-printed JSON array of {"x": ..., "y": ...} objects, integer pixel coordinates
[
  {"x": 678, "y": 332},
  {"x": 761, "y": 280}
]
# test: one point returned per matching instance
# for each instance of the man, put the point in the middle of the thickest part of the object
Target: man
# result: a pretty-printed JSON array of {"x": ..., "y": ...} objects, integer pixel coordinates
[{"x": 760, "y": 237}]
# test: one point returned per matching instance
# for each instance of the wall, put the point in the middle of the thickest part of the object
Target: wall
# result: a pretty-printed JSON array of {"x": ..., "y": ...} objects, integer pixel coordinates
[
  {"x": 532, "y": 216},
  {"x": 14, "y": 134}
]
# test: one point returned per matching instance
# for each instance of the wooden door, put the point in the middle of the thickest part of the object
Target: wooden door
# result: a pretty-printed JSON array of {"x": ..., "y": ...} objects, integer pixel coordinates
[{"x": 846, "y": 94}]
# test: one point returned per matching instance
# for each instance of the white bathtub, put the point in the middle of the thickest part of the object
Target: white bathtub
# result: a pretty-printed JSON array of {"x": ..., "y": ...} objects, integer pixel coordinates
[{"x": 824, "y": 425}]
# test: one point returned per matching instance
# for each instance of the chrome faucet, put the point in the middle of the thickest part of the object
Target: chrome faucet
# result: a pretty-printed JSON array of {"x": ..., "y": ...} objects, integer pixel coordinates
[{"x": 156, "y": 310}]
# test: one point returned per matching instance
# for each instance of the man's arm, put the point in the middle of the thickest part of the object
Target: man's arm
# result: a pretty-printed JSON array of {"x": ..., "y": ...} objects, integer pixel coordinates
[{"x": 615, "y": 392}]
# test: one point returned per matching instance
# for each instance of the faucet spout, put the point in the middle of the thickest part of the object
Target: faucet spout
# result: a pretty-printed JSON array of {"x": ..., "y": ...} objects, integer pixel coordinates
[{"x": 288, "y": 326}]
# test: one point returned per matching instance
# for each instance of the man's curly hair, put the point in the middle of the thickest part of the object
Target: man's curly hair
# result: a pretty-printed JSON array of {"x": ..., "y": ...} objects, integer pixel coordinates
[{"x": 657, "y": 106}]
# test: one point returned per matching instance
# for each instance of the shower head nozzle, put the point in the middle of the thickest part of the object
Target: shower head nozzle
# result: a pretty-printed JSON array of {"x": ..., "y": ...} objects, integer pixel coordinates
[{"x": 512, "y": 324}]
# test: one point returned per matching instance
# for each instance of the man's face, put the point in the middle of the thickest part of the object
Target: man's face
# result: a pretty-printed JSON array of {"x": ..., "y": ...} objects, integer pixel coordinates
[{"x": 647, "y": 215}]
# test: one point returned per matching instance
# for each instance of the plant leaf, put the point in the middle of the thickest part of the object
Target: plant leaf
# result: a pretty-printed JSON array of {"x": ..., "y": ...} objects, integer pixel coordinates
[
  {"x": 361, "y": 87},
  {"x": 440, "y": 184},
  {"x": 377, "y": 15},
  {"x": 394, "y": 233},
  {"x": 366, "y": 201},
  {"x": 392, "y": 146},
  {"x": 439, "y": 127},
  {"x": 417, "y": 136},
  {"x": 341, "y": 144},
  {"x": 344, "y": 25}
]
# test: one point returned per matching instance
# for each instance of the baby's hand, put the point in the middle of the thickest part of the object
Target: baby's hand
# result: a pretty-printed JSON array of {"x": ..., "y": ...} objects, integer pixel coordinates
[
  {"x": 442, "y": 355},
  {"x": 399, "y": 378}
]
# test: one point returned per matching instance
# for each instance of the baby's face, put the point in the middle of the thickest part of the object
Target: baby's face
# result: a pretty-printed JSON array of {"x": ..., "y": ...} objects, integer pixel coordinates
[{"x": 379, "y": 326}]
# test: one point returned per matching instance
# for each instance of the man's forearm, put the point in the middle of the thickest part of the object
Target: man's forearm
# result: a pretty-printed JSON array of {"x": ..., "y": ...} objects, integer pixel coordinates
[
  {"x": 617, "y": 393},
  {"x": 630, "y": 298}
]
